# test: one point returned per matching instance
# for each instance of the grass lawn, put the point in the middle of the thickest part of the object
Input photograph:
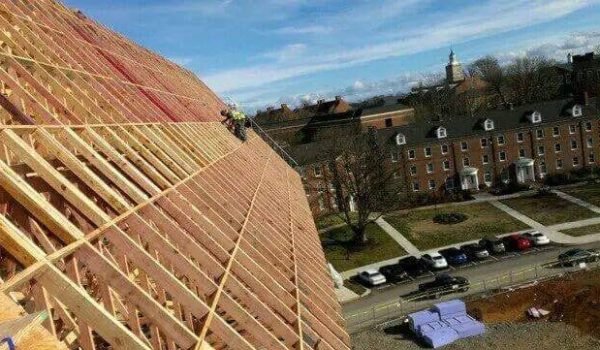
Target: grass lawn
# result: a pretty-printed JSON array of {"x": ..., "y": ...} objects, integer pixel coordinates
[
  {"x": 589, "y": 193},
  {"x": 483, "y": 220},
  {"x": 380, "y": 247},
  {"x": 549, "y": 209},
  {"x": 330, "y": 220},
  {"x": 582, "y": 231}
]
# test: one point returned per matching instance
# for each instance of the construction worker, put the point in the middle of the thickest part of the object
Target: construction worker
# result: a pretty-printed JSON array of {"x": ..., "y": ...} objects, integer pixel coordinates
[{"x": 238, "y": 120}]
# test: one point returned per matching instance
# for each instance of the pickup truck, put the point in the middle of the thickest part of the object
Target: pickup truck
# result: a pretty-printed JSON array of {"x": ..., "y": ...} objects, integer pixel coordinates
[{"x": 444, "y": 284}]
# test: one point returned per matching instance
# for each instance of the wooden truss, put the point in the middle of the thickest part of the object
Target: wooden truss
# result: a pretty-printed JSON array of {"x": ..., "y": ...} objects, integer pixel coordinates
[
  {"x": 131, "y": 216},
  {"x": 123, "y": 250}
]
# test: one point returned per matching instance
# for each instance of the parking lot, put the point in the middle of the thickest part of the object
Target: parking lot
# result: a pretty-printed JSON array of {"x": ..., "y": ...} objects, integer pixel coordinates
[{"x": 455, "y": 270}]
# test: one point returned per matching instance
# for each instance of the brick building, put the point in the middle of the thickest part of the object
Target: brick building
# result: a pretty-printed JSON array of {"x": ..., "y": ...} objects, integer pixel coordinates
[
  {"x": 522, "y": 145},
  {"x": 586, "y": 73}
]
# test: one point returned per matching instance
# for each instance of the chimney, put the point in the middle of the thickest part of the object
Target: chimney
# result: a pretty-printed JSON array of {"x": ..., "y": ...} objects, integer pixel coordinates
[
  {"x": 320, "y": 101},
  {"x": 569, "y": 58},
  {"x": 338, "y": 98}
]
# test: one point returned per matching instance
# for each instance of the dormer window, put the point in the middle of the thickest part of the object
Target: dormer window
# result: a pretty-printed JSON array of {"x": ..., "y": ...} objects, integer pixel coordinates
[
  {"x": 400, "y": 139},
  {"x": 441, "y": 132},
  {"x": 576, "y": 111},
  {"x": 535, "y": 117},
  {"x": 488, "y": 125}
]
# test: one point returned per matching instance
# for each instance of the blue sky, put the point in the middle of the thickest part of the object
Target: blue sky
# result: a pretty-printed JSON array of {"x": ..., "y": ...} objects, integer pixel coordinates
[{"x": 271, "y": 51}]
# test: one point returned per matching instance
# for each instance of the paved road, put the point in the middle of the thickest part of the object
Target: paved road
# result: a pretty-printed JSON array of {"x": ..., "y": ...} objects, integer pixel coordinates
[{"x": 475, "y": 273}]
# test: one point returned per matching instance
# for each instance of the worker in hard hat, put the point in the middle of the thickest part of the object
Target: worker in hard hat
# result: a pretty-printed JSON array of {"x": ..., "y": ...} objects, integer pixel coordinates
[{"x": 237, "y": 120}]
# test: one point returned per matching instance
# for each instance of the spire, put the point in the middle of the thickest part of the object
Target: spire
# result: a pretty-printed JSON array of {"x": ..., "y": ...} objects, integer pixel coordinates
[{"x": 452, "y": 57}]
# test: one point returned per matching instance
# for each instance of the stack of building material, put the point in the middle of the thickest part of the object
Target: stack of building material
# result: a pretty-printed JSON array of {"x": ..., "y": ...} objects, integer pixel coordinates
[{"x": 444, "y": 323}]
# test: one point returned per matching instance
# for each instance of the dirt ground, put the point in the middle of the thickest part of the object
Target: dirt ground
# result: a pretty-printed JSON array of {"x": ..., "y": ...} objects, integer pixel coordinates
[
  {"x": 574, "y": 300},
  {"x": 573, "y": 322}
]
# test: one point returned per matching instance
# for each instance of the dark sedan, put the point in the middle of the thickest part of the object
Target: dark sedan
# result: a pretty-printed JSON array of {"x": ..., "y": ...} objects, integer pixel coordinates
[
  {"x": 393, "y": 273},
  {"x": 413, "y": 266},
  {"x": 454, "y": 256}
]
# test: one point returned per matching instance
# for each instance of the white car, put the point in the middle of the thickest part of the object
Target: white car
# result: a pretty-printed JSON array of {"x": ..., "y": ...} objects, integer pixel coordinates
[
  {"x": 435, "y": 261},
  {"x": 537, "y": 238},
  {"x": 372, "y": 277}
]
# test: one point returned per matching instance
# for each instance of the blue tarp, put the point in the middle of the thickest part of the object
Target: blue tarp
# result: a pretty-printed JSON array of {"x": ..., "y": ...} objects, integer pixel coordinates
[
  {"x": 440, "y": 337},
  {"x": 445, "y": 323},
  {"x": 422, "y": 317},
  {"x": 450, "y": 307}
]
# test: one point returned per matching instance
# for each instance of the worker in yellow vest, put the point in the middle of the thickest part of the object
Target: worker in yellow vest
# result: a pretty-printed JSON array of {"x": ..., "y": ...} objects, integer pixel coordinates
[{"x": 237, "y": 120}]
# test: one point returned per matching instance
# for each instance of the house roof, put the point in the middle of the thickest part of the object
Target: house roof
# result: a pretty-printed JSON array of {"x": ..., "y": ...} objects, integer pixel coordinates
[{"x": 422, "y": 131}]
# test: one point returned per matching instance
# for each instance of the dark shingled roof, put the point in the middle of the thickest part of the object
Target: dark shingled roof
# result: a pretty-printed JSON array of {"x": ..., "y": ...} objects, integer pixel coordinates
[
  {"x": 422, "y": 131},
  {"x": 382, "y": 105}
]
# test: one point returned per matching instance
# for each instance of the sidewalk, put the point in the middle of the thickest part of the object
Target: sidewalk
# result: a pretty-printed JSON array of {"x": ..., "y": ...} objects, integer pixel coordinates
[{"x": 398, "y": 237}]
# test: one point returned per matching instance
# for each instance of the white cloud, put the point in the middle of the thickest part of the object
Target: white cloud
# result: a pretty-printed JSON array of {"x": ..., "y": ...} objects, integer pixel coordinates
[
  {"x": 182, "y": 61},
  {"x": 468, "y": 23},
  {"x": 310, "y": 29}
]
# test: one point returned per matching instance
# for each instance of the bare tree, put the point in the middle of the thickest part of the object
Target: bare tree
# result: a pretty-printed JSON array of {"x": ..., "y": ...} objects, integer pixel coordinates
[
  {"x": 532, "y": 79},
  {"x": 363, "y": 178},
  {"x": 489, "y": 70}
]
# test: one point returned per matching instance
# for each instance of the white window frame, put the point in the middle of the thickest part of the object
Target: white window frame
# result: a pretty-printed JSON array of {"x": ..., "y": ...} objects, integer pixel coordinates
[
  {"x": 441, "y": 132},
  {"x": 446, "y": 168},
  {"x": 573, "y": 144},
  {"x": 466, "y": 161},
  {"x": 445, "y": 145},
  {"x": 588, "y": 126},
  {"x": 429, "y": 184},
  {"x": 522, "y": 153},
  {"x": 559, "y": 164},
  {"x": 488, "y": 125},
  {"x": 572, "y": 129},
  {"x": 555, "y": 131},
  {"x": 501, "y": 137},
  {"x": 484, "y": 142},
  {"x": 520, "y": 137},
  {"x": 541, "y": 150},
  {"x": 395, "y": 157},
  {"x": 415, "y": 172},
  {"x": 485, "y": 159},
  {"x": 414, "y": 154},
  {"x": 576, "y": 161},
  {"x": 400, "y": 139},
  {"x": 589, "y": 142},
  {"x": 502, "y": 154},
  {"x": 319, "y": 172},
  {"x": 559, "y": 147},
  {"x": 539, "y": 133},
  {"x": 536, "y": 117},
  {"x": 428, "y": 166},
  {"x": 425, "y": 152}
]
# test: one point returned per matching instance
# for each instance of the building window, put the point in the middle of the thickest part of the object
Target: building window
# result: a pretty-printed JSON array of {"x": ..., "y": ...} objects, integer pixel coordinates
[
  {"x": 559, "y": 164},
  {"x": 520, "y": 137},
  {"x": 488, "y": 125},
  {"x": 466, "y": 161},
  {"x": 591, "y": 158},
  {"x": 485, "y": 159},
  {"x": 500, "y": 139},
  {"x": 539, "y": 133},
  {"x": 543, "y": 169},
  {"x": 556, "y": 131},
  {"x": 413, "y": 170},
  {"x": 317, "y": 170},
  {"x": 395, "y": 157},
  {"x": 441, "y": 132},
  {"x": 415, "y": 186},
  {"x": 388, "y": 122},
  {"x": 321, "y": 204},
  {"x": 430, "y": 168},
  {"x": 572, "y": 129},
  {"x": 536, "y": 117},
  {"x": 432, "y": 184},
  {"x": 588, "y": 126},
  {"x": 400, "y": 139},
  {"x": 444, "y": 148},
  {"x": 502, "y": 156},
  {"x": 573, "y": 144},
  {"x": 411, "y": 154},
  {"x": 484, "y": 142},
  {"x": 575, "y": 161},
  {"x": 576, "y": 111},
  {"x": 446, "y": 165},
  {"x": 557, "y": 147},
  {"x": 541, "y": 150},
  {"x": 427, "y": 151},
  {"x": 487, "y": 177},
  {"x": 464, "y": 146},
  {"x": 450, "y": 183},
  {"x": 522, "y": 153},
  {"x": 590, "y": 142}
]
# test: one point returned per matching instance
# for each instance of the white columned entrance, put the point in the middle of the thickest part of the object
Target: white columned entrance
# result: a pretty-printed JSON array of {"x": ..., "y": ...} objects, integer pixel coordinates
[
  {"x": 469, "y": 179},
  {"x": 524, "y": 170}
]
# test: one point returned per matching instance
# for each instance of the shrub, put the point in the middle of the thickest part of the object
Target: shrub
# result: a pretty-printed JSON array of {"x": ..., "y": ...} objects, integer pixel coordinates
[{"x": 449, "y": 218}]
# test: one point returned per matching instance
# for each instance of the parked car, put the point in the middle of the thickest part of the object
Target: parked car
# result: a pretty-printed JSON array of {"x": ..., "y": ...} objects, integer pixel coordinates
[
  {"x": 413, "y": 266},
  {"x": 393, "y": 273},
  {"x": 517, "y": 242},
  {"x": 445, "y": 284},
  {"x": 537, "y": 238},
  {"x": 576, "y": 255},
  {"x": 435, "y": 261},
  {"x": 493, "y": 245},
  {"x": 372, "y": 277},
  {"x": 475, "y": 251},
  {"x": 454, "y": 256}
]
